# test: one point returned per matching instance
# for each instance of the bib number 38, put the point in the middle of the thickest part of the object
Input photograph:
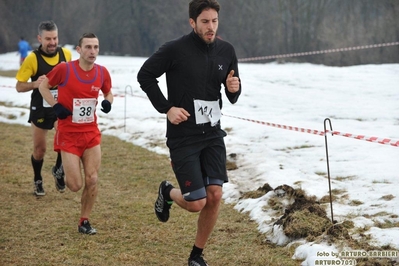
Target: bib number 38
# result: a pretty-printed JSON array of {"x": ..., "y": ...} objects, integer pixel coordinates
[{"x": 83, "y": 110}]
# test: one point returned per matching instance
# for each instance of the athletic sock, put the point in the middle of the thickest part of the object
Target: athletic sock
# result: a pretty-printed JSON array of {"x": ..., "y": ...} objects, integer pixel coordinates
[
  {"x": 58, "y": 163},
  {"x": 196, "y": 252},
  {"x": 82, "y": 219},
  {"x": 37, "y": 168}
]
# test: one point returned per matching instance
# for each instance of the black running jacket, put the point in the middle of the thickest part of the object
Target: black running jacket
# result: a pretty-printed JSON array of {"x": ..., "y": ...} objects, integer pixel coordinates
[{"x": 194, "y": 70}]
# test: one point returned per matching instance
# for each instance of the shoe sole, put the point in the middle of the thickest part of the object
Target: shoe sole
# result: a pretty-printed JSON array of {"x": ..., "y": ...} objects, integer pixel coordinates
[
  {"x": 93, "y": 232},
  {"x": 35, "y": 192},
  {"x": 39, "y": 193},
  {"x": 61, "y": 190},
  {"x": 155, "y": 206}
]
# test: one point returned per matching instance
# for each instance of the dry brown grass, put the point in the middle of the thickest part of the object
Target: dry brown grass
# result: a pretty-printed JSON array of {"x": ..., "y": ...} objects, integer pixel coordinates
[
  {"x": 8, "y": 73},
  {"x": 43, "y": 231}
]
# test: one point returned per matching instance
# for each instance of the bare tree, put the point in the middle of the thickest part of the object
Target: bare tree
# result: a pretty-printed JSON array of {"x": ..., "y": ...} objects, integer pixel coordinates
[{"x": 256, "y": 28}]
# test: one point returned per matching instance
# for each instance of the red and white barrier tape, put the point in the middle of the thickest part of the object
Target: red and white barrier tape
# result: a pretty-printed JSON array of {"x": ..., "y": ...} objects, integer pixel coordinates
[
  {"x": 385, "y": 141},
  {"x": 128, "y": 94},
  {"x": 115, "y": 95},
  {"x": 7, "y": 86},
  {"x": 318, "y": 52}
]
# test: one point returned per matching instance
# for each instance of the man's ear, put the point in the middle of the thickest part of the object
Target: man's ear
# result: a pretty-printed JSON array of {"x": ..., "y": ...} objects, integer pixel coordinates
[{"x": 192, "y": 23}]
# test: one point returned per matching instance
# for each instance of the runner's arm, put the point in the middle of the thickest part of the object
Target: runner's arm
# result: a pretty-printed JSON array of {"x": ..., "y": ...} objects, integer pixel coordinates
[
  {"x": 29, "y": 86},
  {"x": 109, "y": 97},
  {"x": 44, "y": 89}
]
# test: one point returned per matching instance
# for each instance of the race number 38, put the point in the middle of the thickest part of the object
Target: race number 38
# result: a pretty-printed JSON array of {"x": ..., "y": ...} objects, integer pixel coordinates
[{"x": 83, "y": 110}]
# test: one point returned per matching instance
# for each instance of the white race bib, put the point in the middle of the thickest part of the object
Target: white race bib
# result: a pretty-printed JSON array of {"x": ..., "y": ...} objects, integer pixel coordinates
[
  {"x": 55, "y": 96},
  {"x": 207, "y": 111},
  {"x": 83, "y": 110}
]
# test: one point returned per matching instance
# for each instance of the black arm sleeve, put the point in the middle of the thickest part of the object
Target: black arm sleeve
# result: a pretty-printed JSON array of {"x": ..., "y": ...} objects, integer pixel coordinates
[
  {"x": 233, "y": 97},
  {"x": 152, "y": 69}
]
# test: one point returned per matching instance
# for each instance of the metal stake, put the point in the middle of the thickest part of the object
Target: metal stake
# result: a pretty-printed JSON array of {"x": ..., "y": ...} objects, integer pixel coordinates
[{"x": 328, "y": 165}]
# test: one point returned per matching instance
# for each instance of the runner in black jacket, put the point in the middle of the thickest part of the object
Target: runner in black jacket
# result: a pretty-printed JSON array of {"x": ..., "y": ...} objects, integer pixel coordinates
[
  {"x": 196, "y": 66},
  {"x": 194, "y": 70}
]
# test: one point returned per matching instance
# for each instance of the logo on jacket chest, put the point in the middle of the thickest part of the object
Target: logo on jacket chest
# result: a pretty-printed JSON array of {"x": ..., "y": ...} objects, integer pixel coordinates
[
  {"x": 94, "y": 88},
  {"x": 220, "y": 67}
]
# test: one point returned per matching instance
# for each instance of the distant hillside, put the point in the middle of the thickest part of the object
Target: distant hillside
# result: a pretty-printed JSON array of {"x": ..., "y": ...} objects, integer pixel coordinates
[{"x": 256, "y": 28}]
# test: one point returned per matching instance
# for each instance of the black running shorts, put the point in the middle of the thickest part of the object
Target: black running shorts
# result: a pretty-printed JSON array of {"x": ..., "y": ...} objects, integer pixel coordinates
[
  {"x": 43, "y": 118},
  {"x": 198, "y": 161}
]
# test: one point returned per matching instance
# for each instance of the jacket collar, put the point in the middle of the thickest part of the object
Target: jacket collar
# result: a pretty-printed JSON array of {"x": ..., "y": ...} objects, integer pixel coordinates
[{"x": 200, "y": 42}]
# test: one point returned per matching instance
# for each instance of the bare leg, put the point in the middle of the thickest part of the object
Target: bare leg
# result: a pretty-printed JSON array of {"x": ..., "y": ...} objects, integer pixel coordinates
[
  {"x": 191, "y": 206},
  {"x": 208, "y": 215},
  {"x": 91, "y": 160},
  {"x": 209, "y": 211},
  {"x": 73, "y": 176},
  {"x": 39, "y": 142}
]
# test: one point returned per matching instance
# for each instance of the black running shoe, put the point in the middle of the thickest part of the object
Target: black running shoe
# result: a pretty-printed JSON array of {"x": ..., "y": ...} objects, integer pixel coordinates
[
  {"x": 58, "y": 174},
  {"x": 86, "y": 228},
  {"x": 162, "y": 206},
  {"x": 38, "y": 188},
  {"x": 197, "y": 261}
]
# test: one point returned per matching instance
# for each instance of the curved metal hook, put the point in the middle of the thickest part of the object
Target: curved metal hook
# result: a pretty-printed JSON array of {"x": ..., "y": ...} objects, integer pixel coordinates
[
  {"x": 325, "y": 128},
  {"x": 328, "y": 165}
]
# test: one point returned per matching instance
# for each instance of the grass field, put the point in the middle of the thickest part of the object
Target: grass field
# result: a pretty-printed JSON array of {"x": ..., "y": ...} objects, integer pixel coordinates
[{"x": 43, "y": 230}]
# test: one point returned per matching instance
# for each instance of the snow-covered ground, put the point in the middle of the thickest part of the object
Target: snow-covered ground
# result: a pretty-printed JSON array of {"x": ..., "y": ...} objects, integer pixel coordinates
[{"x": 361, "y": 100}]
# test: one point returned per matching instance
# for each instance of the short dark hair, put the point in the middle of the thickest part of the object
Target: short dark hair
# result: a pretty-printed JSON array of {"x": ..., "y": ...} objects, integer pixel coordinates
[
  {"x": 86, "y": 35},
  {"x": 197, "y": 6},
  {"x": 47, "y": 25}
]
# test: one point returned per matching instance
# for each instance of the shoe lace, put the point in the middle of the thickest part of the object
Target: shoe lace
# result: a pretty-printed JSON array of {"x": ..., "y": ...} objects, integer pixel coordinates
[
  {"x": 197, "y": 261},
  {"x": 86, "y": 223},
  {"x": 60, "y": 171},
  {"x": 39, "y": 184}
]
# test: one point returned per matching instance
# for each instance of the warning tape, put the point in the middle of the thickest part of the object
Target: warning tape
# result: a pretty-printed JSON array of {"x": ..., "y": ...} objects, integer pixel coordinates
[
  {"x": 318, "y": 52},
  {"x": 128, "y": 94},
  {"x": 7, "y": 86},
  {"x": 386, "y": 141},
  {"x": 115, "y": 95}
]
